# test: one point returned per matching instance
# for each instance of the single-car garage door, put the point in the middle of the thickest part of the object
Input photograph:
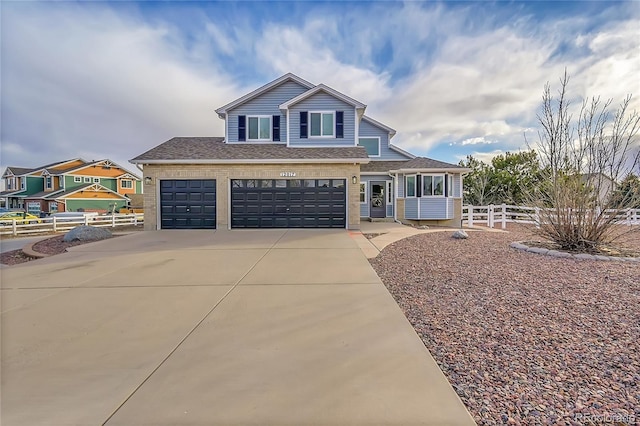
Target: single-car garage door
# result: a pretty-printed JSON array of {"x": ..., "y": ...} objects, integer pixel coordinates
[
  {"x": 288, "y": 203},
  {"x": 188, "y": 204}
]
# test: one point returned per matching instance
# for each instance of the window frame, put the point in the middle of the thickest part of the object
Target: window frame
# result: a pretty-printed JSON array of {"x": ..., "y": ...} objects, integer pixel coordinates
[
  {"x": 370, "y": 137},
  {"x": 248, "y": 128},
  {"x": 48, "y": 182},
  {"x": 432, "y": 176},
  {"x": 96, "y": 180},
  {"x": 23, "y": 183},
  {"x": 389, "y": 192},
  {"x": 11, "y": 182},
  {"x": 128, "y": 181},
  {"x": 406, "y": 186},
  {"x": 321, "y": 135},
  {"x": 77, "y": 179},
  {"x": 363, "y": 194},
  {"x": 86, "y": 179}
]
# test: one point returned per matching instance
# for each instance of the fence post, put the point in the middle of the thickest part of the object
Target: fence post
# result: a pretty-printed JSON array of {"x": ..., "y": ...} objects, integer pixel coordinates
[
  {"x": 470, "y": 216},
  {"x": 113, "y": 220},
  {"x": 15, "y": 227},
  {"x": 536, "y": 217},
  {"x": 86, "y": 220},
  {"x": 504, "y": 216},
  {"x": 135, "y": 219},
  {"x": 55, "y": 224},
  {"x": 490, "y": 211}
]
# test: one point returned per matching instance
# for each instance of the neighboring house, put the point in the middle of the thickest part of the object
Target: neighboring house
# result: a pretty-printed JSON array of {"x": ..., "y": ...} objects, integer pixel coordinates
[
  {"x": 295, "y": 155},
  {"x": 70, "y": 185}
]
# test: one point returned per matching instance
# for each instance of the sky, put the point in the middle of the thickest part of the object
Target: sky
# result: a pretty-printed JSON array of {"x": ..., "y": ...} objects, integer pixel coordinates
[{"x": 113, "y": 79}]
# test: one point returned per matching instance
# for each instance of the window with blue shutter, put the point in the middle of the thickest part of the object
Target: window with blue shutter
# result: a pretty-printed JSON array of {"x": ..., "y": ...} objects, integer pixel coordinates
[
  {"x": 303, "y": 125},
  {"x": 275, "y": 128},
  {"x": 339, "y": 124},
  {"x": 242, "y": 128}
]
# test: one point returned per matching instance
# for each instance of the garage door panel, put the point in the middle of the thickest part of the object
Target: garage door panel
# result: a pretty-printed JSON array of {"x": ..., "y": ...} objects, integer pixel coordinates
[
  {"x": 308, "y": 203},
  {"x": 188, "y": 204}
]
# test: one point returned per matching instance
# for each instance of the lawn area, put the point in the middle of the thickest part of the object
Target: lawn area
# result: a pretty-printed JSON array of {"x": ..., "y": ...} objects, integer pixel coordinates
[{"x": 523, "y": 338}]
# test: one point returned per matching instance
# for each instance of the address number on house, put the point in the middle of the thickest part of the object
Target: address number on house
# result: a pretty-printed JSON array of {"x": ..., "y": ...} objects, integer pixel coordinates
[{"x": 287, "y": 174}]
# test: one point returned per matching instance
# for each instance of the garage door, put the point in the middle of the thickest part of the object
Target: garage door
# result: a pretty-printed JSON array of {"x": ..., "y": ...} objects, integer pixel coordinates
[
  {"x": 290, "y": 203},
  {"x": 188, "y": 204}
]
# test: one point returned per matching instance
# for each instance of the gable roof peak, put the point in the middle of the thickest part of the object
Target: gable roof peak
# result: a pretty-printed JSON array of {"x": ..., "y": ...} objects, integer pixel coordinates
[
  {"x": 260, "y": 90},
  {"x": 324, "y": 88}
]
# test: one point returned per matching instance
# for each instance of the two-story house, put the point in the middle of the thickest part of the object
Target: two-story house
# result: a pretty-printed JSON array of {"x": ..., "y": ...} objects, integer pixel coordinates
[
  {"x": 70, "y": 185},
  {"x": 295, "y": 155}
]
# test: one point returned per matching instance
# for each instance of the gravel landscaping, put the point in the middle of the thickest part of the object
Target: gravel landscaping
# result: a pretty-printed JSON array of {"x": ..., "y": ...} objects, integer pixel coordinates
[{"x": 523, "y": 338}]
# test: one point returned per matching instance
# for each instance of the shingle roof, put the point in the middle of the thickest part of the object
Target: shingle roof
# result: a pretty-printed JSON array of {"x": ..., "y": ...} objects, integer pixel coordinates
[
  {"x": 211, "y": 149},
  {"x": 45, "y": 194},
  {"x": 19, "y": 170},
  {"x": 382, "y": 166},
  {"x": 428, "y": 163}
]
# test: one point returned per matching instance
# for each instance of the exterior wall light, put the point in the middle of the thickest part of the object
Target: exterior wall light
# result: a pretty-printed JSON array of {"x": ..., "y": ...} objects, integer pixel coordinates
[
  {"x": 148, "y": 180},
  {"x": 354, "y": 179}
]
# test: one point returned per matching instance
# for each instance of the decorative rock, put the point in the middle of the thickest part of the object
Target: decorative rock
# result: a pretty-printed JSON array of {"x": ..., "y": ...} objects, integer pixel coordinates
[
  {"x": 603, "y": 258},
  {"x": 87, "y": 233},
  {"x": 518, "y": 246},
  {"x": 423, "y": 227},
  {"x": 460, "y": 235}
]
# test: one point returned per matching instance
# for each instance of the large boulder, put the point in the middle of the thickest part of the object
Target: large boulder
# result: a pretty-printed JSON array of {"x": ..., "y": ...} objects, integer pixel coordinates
[
  {"x": 86, "y": 233},
  {"x": 460, "y": 235}
]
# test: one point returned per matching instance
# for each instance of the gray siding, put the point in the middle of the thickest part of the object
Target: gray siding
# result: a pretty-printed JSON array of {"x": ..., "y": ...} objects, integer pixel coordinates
[
  {"x": 433, "y": 208},
  {"x": 322, "y": 101},
  {"x": 400, "y": 185},
  {"x": 389, "y": 210},
  {"x": 265, "y": 104},
  {"x": 364, "y": 209},
  {"x": 411, "y": 208},
  {"x": 367, "y": 129}
]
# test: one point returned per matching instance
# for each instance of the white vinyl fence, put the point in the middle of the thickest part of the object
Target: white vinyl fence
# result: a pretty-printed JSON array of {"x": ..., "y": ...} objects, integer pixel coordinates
[
  {"x": 494, "y": 215},
  {"x": 57, "y": 224}
]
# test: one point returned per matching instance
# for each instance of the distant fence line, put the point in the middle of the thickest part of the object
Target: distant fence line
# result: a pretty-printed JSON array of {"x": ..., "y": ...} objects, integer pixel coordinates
[
  {"x": 56, "y": 224},
  {"x": 493, "y": 215}
]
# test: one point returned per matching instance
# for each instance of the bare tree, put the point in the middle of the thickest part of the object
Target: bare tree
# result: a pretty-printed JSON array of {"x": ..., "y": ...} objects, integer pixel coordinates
[{"x": 582, "y": 164}]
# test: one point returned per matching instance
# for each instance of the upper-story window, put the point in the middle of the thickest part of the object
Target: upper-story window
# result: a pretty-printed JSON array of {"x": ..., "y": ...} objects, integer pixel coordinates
[
  {"x": 48, "y": 182},
  {"x": 77, "y": 179},
  {"x": 259, "y": 128},
  {"x": 126, "y": 184},
  {"x": 23, "y": 183},
  {"x": 372, "y": 145},
  {"x": 87, "y": 179},
  {"x": 96, "y": 180},
  {"x": 10, "y": 183},
  {"x": 321, "y": 123}
]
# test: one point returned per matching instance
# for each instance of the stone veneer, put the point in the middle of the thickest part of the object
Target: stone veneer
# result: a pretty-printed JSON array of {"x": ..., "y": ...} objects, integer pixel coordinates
[{"x": 223, "y": 173}]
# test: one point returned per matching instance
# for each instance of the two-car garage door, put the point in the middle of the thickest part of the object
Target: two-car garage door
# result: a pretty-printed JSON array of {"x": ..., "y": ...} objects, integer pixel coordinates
[{"x": 256, "y": 203}]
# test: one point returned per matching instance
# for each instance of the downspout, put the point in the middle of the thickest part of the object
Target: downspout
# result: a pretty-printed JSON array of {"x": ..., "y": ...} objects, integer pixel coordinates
[{"x": 395, "y": 198}]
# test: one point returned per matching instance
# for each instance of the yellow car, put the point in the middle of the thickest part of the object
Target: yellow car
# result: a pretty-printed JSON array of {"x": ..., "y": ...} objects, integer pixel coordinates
[{"x": 19, "y": 217}]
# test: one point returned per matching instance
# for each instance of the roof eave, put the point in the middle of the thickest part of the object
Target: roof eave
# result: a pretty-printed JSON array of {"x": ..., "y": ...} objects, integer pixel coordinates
[
  {"x": 432, "y": 170},
  {"x": 254, "y": 161}
]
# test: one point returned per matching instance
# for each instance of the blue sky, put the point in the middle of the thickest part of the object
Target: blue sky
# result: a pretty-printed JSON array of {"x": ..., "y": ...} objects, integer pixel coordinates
[{"x": 113, "y": 79}]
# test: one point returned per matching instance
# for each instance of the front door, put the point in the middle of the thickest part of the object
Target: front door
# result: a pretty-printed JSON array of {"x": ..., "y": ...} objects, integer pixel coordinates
[{"x": 378, "y": 208}]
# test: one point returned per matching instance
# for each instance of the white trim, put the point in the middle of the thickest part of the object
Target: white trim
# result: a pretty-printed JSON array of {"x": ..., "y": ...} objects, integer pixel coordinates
[
  {"x": 261, "y": 161},
  {"x": 322, "y": 114},
  {"x": 262, "y": 89},
  {"x": 389, "y": 192},
  {"x": 96, "y": 180},
  {"x": 158, "y": 203},
  {"x": 415, "y": 186},
  {"x": 256, "y": 142},
  {"x": 395, "y": 197},
  {"x": 226, "y": 126},
  {"x": 77, "y": 179},
  {"x": 356, "y": 127},
  {"x": 121, "y": 181},
  {"x": 442, "y": 170},
  {"x": 50, "y": 182},
  {"x": 259, "y": 117},
  {"x": 366, "y": 190},
  {"x": 23, "y": 183},
  {"x": 371, "y": 137}
]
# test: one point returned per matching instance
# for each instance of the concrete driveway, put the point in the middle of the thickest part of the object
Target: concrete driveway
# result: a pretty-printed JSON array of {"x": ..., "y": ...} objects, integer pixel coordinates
[{"x": 277, "y": 327}]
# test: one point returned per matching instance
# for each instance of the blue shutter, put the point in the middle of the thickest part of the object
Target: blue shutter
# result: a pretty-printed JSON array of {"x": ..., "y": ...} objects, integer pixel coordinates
[
  {"x": 303, "y": 124},
  {"x": 275, "y": 124},
  {"x": 339, "y": 124},
  {"x": 419, "y": 186},
  {"x": 242, "y": 129}
]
